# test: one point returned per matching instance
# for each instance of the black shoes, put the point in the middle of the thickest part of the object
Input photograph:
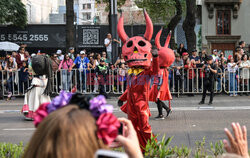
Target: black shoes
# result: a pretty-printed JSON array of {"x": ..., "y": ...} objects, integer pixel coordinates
[
  {"x": 120, "y": 103},
  {"x": 160, "y": 117},
  {"x": 168, "y": 112},
  {"x": 201, "y": 102}
]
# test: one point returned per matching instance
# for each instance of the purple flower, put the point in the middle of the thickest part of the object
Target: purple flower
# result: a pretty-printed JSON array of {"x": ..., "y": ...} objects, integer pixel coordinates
[
  {"x": 98, "y": 106},
  {"x": 59, "y": 101}
]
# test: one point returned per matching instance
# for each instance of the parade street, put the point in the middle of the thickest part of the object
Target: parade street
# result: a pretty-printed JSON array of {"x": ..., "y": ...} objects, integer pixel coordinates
[{"x": 188, "y": 122}]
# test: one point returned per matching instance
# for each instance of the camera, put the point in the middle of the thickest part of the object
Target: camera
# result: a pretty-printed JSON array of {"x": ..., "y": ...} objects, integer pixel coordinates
[{"x": 206, "y": 68}]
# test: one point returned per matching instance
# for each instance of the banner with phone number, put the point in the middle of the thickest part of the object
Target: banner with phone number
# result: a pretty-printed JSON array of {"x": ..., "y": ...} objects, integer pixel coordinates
[
  {"x": 46, "y": 36},
  {"x": 54, "y": 36}
]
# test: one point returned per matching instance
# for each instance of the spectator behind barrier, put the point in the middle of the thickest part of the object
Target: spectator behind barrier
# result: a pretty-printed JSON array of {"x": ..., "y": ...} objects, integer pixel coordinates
[
  {"x": 181, "y": 49},
  {"x": 104, "y": 56},
  {"x": 97, "y": 58},
  {"x": 60, "y": 56},
  {"x": 20, "y": 57},
  {"x": 178, "y": 73},
  {"x": 82, "y": 64},
  {"x": 215, "y": 55},
  {"x": 203, "y": 56},
  {"x": 66, "y": 75},
  {"x": 232, "y": 68},
  {"x": 71, "y": 53},
  {"x": 11, "y": 68},
  {"x": 196, "y": 58},
  {"x": 244, "y": 73},
  {"x": 120, "y": 60}
]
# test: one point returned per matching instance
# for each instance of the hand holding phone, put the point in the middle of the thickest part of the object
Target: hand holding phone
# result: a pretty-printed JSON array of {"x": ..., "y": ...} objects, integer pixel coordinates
[{"x": 129, "y": 139}]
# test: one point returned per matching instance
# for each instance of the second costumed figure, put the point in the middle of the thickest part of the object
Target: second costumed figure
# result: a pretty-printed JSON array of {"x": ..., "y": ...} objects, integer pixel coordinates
[{"x": 159, "y": 89}]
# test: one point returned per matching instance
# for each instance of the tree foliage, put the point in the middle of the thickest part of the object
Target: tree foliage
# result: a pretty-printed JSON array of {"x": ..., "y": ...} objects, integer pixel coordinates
[
  {"x": 168, "y": 12},
  {"x": 158, "y": 10},
  {"x": 13, "y": 12}
]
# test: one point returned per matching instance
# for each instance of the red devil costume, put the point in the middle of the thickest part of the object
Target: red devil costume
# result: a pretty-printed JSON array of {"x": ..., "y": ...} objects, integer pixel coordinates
[
  {"x": 160, "y": 90},
  {"x": 137, "y": 53}
]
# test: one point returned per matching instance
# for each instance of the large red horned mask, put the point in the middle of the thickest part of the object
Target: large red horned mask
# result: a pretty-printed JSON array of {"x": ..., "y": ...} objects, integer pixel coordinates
[
  {"x": 166, "y": 55},
  {"x": 136, "y": 50}
]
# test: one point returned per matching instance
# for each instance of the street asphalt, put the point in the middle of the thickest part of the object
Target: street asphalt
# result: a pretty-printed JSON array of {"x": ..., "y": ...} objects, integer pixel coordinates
[{"x": 188, "y": 122}]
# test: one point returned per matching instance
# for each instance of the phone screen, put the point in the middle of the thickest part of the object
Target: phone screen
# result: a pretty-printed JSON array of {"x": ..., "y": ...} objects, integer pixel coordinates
[{"x": 110, "y": 154}]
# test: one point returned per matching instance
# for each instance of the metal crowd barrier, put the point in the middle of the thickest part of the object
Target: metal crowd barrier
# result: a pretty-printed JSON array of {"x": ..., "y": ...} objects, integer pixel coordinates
[
  {"x": 237, "y": 81},
  {"x": 183, "y": 81},
  {"x": 190, "y": 81}
]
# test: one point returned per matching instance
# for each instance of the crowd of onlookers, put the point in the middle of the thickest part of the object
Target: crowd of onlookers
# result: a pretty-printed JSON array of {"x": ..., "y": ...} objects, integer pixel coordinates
[
  {"x": 185, "y": 73},
  {"x": 233, "y": 69},
  {"x": 87, "y": 66}
]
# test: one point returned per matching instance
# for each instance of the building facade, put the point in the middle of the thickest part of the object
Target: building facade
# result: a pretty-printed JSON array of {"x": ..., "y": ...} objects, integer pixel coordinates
[
  {"x": 224, "y": 24},
  {"x": 38, "y": 11}
]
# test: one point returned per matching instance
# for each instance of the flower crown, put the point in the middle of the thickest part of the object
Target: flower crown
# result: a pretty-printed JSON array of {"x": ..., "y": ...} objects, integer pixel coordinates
[{"x": 106, "y": 122}]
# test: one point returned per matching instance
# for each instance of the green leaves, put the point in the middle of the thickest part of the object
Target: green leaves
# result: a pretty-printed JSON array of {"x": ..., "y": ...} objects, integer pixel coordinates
[
  {"x": 217, "y": 149},
  {"x": 161, "y": 149},
  {"x": 158, "y": 10},
  {"x": 13, "y": 12},
  {"x": 8, "y": 150}
]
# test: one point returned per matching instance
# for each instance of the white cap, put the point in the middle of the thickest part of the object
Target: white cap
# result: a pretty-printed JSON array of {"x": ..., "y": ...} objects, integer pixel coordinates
[
  {"x": 58, "y": 51},
  {"x": 33, "y": 54},
  {"x": 82, "y": 52}
]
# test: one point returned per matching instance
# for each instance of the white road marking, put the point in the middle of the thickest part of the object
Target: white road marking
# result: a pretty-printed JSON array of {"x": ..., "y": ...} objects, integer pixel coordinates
[
  {"x": 194, "y": 108},
  {"x": 201, "y": 108},
  {"x": 19, "y": 129},
  {"x": 9, "y": 111}
]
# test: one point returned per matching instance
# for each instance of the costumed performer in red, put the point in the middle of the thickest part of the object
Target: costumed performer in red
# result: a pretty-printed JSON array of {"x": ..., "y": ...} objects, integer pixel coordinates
[
  {"x": 159, "y": 91},
  {"x": 137, "y": 52}
]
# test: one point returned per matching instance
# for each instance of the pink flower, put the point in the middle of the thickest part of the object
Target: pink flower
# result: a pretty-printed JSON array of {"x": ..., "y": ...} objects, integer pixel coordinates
[
  {"x": 40, "y": 113},
  {"x": 108, "y": 126}
]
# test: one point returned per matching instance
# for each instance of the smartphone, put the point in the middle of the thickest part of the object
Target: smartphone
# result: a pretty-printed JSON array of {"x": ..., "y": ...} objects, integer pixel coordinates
[
  {"x": 110, "y": 154},
  {"x": 120, "y": 130}
]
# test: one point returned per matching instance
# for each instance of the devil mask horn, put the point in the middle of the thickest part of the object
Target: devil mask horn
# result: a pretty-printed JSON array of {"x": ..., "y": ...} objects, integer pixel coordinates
[
  {"x": 149, "y": 28},
  {"x": 157, "y": 39},
  {"x": 120, "y": 29}
]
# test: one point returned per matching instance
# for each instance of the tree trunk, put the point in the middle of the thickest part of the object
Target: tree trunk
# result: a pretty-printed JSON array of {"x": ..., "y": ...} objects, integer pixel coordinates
[
  {"x": 70, "y": 29},
  {"x": 174, "y": 22},
  {"x": 189, "y": 25}
]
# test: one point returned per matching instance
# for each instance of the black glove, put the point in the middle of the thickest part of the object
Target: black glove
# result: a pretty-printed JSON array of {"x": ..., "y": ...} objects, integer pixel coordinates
[
  {"x": 120, "y": 103},
  {"x": 154, "y": 52}
]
